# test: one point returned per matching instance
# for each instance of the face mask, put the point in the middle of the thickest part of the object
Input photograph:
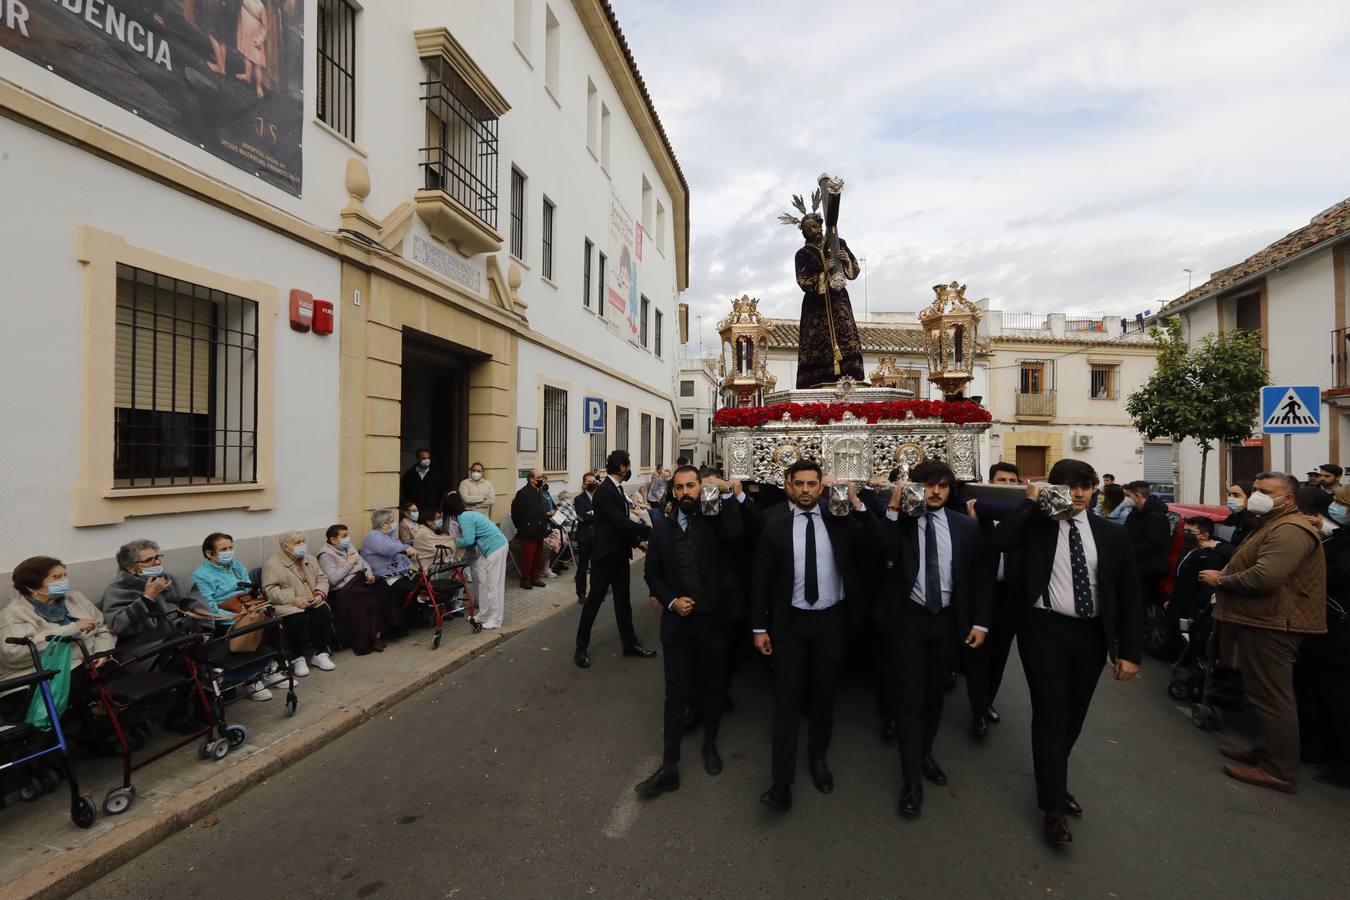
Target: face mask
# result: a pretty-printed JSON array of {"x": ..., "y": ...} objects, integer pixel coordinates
[
  {"x": 225, "y": 557},
  {"x": 476, "y": 476},
  {"x": 299, "y": 550},
  {"x": 424, "y": 464},
  {"x": 1190, "y": 539},
  {"x": 345, "y": 544},
  {"x": 1339, "y": 513},
  {"x": 1235, "y": 504},
  {"x": 414, "y": 515},
  {"x": 437, "y": 523},
  {"x": 58, "y": 589},
  {"x": 1260, "y": 503},
  {"x": 152, "y": 571},
  {"x": 590, "y": 488}
]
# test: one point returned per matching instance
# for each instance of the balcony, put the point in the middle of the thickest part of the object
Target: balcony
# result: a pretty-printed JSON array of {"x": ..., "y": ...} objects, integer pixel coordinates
[
  {"x": 1036, "y": 407},
  {"x": 1338, "y": 393}
]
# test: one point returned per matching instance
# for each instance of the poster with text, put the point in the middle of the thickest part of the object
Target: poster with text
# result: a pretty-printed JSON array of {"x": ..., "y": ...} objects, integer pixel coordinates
[
  {"x": 226, "y": 75},
  {"x": 622, "y": 261}
]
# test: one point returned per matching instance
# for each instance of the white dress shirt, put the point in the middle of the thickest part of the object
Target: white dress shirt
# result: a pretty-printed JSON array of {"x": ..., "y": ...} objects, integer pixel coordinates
[
  {"x": 919, "y": 593},
  {"x": 1059, "y": 592},
  {"x": 831, "y": 583}
]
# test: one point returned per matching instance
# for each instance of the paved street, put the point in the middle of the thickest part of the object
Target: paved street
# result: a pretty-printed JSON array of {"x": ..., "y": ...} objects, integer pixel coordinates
[{"x": 513, "y": 777}]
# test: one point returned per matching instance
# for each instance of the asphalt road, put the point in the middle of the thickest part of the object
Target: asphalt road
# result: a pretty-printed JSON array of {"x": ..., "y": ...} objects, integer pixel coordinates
[{"x": 514, "y": 777}]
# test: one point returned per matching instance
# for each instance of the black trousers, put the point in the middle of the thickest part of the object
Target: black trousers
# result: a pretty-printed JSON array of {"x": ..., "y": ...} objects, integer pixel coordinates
[
  {"x": 984, "y": 667},
  {"x": 1063, "y": 658},
  {"x": 922, "y": 650},
  {"x": 309, "y": 631},
  {"x": 811, "y": 642},
  {"x": 583, "y": 564},
  {"x": 696, "y": 674},
  {"x": 604, "y": 575}
]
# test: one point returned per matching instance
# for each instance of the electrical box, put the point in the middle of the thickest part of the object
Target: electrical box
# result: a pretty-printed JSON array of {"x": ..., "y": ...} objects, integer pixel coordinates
[{"x": 323, "y": 316}]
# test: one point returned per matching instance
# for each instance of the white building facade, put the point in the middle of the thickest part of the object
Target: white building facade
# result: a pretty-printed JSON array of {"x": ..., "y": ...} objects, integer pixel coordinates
[
  {"x": 697, "y": 399},
  {"x": 246, "y": 280}
]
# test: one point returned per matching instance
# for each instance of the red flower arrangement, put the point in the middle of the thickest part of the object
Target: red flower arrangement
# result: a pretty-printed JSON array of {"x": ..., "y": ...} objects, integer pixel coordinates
[{"x": 952, "y": 412}]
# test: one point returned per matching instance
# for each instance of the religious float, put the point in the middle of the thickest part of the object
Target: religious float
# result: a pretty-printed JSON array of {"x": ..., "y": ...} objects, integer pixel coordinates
[{"x": 857, "y": 429}]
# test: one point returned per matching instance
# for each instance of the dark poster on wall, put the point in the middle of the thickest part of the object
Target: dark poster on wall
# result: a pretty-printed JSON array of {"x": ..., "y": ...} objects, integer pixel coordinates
[{"x": 227, "y": 75}]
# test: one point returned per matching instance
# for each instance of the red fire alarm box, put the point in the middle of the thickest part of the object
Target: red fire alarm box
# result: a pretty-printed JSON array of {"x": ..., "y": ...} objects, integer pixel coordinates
[
  {"x": 323, "y": 316},
  {"x": 302, "y": 310}
]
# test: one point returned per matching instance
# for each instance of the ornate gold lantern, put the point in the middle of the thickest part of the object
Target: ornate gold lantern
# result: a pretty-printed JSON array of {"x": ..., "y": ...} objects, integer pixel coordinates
[
  {"x": 949, "y": 325},
  {"x": 745, "y": 337}
]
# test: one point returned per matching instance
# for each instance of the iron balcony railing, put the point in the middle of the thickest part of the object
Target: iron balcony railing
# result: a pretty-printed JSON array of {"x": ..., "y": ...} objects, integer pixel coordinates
[
  {"x": 461, "y": 156},
  {"x": 1039, "y": 405},
  {"x": 1340, "y": 357},
  {"x": 1026, "y": 321}
]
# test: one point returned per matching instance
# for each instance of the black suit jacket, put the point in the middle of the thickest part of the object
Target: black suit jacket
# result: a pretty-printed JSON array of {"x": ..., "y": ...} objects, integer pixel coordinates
[
  {"x": 1151, "y": 532},
  {"x": 852, "y": 539},
  {"x": 425, "y": 492},
  {"x": 1118, "y": 599},
  {"x": 584, "y": 504},
  {"x": 717, "y": 538},
  {"x": 615, "y": 533},
  {"x": 972, "y": 577}
]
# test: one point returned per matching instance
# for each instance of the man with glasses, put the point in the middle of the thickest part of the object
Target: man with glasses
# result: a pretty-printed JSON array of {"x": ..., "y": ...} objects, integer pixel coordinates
[{"x": 1271, "y": 594}]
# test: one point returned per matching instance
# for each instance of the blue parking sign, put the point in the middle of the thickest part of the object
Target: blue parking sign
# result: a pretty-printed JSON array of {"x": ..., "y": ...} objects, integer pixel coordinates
[
  {"x": 1291, "y": 409},
  {"x": 594, "y": 412}
]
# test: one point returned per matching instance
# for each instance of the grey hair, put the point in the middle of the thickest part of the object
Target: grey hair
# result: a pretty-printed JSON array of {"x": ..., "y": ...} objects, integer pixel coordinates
[
  {"x": 381, "y": 517},
  {"x": 130, "y": 553},
  {"x": 287, "y": 536},
  {"x": 1289, "y": 480}
]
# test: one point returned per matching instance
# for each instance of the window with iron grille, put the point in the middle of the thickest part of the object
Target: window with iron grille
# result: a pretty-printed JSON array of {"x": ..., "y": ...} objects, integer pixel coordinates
[
  {"x": 555, "y": 429},
  {"x": 460, "y": 155},
  {"x": 586, "y": 275},
  {"x": 645, "y": 442},
  {"x": 620, "y": 428},
  {"x": 642, "y": 319},
  {"x": 546, "y": 251},
  {"x": 660, "y": 442},
  {"x": 600, "y": 293},
  {"x": 517, "y": 213},
  {"x": 686, "y": 423},
  {"x": 912, "y": 380},
  {"x": 185, "y": 390},
  {"x": 599, "y": 444},
  {"x": 1105, "y": 381},
  {"x": 656, "y": 336},
  {"x": 1034, "y": 376},
  {"x": 686, "y": 389},
  {"x": 336, "y": 57}
]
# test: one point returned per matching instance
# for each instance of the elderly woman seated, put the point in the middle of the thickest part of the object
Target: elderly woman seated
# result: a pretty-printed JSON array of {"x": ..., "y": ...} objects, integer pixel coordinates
[
  {"x": 389, "y": 559},
  {"x": 423, "y": 535},
  {"x": 225, "y": 589},
  {"x": 361, "y": 602},
  {"x": 46, "y": 608},
  {"x": 142, "y": 604},
  {"x": 298, "y": 590}
]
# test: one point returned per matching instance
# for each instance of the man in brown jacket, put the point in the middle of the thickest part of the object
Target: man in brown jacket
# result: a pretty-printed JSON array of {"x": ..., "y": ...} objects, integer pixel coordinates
[{"x": 1269, "y": 596}]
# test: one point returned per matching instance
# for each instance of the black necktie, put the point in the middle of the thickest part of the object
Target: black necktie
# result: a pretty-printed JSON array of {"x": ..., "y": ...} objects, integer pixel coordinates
[
  {"x": 1082, "y": 587},
  {"x": 932, "y": 582},
  {"x": 812, "y": 588}
]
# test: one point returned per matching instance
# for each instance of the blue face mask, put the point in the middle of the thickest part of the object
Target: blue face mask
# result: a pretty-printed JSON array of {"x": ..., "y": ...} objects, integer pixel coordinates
[
  {"x": 299, "y": 550},
  {"x": 1339, "y": 513},
  {"x": 1234, "y": 504},
  {"x": 152, "y": 571},
  {"x": 414, "y": 515},
  {"x": 58, "y": 589},
  {"x": 225, "y": 557},
  {"x": 345, "y": 543}
]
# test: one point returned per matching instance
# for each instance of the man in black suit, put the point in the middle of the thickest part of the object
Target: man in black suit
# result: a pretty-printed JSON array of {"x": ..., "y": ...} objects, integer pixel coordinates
[
  {"x": 807, "y": 591},
  {"x": 423, "y": 484},
  {"x": 1082, "y": 588},
  {"x": 616, "y": 534},
  {"x": 688, "y": 570},
  {"x": 984, "y": 665},
  {"x": 584, "y": 537},
  {"x": 936, "y": 597}
]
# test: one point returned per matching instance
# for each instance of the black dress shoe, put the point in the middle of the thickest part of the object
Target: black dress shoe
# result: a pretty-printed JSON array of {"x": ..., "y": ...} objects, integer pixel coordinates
[
  {"x": 911, "y": 799},
  {"x": 933, "y": 772},
  {"x": 527, "y": 585},
  {"x": 822, "y": 777},
  {"x": 778, "y": 798},
  {"x": 639, "y": 651},
  {"x": 888, "y": 730},
  {"x": 712, "y": 760},
  {"x": 993, "y": 715},
  {"x": 663, "y": 780},
  {"x": 581, "y": 659},
  {"x": 979, "y": 728},
  {"x": 539, "y": 582},
  {"x": 1071, "y": 806},
  {"x": 1057, "y": 829}
]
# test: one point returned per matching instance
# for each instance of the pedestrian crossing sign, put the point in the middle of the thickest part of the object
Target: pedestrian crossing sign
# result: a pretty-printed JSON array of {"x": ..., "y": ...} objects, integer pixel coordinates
[{"x": 1291, "y": 409}]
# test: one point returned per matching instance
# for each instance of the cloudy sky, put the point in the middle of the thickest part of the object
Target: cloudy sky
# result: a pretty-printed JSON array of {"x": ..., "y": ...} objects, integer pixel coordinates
[{"x": 1071, "y": 157}]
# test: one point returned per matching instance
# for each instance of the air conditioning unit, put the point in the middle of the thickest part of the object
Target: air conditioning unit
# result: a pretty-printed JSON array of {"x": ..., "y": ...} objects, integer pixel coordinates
[{"x": 1082, "y": 441}]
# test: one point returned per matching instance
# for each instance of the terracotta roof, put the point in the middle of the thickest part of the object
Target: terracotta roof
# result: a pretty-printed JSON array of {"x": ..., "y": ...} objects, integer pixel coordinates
[
  {"x": 784, "y": 333},
  {"x": 1328, "y": 225},
  {"x": 651, "y": 108}
]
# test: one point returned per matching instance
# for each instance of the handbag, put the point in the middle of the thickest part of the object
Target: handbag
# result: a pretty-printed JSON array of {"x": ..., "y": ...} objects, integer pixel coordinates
[
  {"x": 244, "y": 643},
  {"x": 56, "y": 658}
]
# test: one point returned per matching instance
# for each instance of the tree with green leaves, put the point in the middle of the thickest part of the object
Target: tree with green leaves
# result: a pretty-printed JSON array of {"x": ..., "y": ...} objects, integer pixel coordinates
[{"x": 1207, "y": 392}]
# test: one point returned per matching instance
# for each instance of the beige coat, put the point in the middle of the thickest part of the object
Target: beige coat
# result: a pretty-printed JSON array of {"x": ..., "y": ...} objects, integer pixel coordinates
[
  {"x": 478, "y": 495},
  {"x": 286, "y": 580},
  {"x": 20, "y": 620},
  {"x": 425, "y": 541}
]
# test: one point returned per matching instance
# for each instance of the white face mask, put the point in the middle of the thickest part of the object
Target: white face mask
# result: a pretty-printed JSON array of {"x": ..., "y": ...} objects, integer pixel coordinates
[
  {"x": 476, "y": 476},
  {"x": 424, "y": 464},
  {"x": 1260, "y": 503}
]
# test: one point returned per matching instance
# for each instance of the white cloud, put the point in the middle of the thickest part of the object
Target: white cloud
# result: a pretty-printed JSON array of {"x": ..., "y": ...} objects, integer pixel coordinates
[{"x": 1055, "y": 156}]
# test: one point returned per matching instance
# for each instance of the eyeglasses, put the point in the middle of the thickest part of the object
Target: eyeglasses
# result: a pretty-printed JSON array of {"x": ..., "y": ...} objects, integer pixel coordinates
[{"x": 158, "y": 557}]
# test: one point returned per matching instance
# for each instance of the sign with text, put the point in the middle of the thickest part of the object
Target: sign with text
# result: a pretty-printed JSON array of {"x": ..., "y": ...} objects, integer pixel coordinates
[
  {"x": 226, "y": 75},
  {"x": 593, "y": 412},
  {"x": 622, "y": 278},
  {"x": 1291, "y": 409}
]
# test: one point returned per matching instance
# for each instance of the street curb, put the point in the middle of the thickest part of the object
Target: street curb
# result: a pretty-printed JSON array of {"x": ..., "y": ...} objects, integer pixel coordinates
[{"x": 82, "y": 866}]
